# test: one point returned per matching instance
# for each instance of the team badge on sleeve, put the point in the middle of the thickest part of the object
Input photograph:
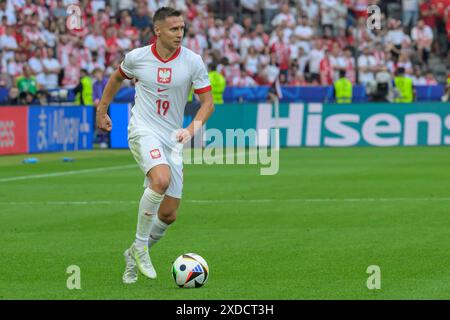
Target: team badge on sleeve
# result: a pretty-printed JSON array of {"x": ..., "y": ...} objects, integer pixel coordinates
[
  {"x": 155, "y": 154},
  {"x": 164, "y": 75}
]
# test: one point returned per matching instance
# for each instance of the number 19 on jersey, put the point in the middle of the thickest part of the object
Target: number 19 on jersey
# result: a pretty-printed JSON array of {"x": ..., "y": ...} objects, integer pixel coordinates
[{"x": 162, "y": 106}]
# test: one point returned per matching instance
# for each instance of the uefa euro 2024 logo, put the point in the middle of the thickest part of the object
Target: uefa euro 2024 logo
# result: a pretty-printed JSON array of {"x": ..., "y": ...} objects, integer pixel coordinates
[
  {"x": 73, "y": 21},
  {"x": 374, "y": 18}
]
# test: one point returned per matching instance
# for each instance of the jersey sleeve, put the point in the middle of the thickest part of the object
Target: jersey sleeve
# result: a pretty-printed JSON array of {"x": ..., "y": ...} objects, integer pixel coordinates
[
  {"x": 200, "y": 78},
  {"x": 126, "y": 68}
]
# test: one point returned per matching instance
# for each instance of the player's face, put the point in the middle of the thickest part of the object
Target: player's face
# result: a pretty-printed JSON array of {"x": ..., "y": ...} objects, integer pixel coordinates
[{"x": 170, "y": 31}]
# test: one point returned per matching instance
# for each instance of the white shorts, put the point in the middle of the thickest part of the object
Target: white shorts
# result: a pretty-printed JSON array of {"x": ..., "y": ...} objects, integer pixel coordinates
[{"x": 148, "y": 152}]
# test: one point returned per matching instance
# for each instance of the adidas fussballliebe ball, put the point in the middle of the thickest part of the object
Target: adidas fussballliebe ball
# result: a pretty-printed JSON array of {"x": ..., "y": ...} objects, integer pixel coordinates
[{"x": 190, "y": 271}]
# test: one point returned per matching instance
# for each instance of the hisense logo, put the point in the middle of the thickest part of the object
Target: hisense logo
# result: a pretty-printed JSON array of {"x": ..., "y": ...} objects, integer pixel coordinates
[{"x": 312, "y": 127}]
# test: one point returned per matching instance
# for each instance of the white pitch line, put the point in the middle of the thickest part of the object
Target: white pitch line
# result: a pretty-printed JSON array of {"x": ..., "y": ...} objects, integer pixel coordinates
[
  {"x": 317, "y": 200},
  {"x": 114, "y": 202},
  {"x": 66, "y": 173}
]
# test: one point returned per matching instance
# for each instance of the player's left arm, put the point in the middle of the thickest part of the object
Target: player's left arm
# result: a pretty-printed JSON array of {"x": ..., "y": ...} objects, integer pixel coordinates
[
  {"x": 203, "y": 114},
  {"x": 202, "y": 87}
]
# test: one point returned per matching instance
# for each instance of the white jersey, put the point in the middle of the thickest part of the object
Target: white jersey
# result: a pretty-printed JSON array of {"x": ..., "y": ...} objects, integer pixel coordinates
[{"x": 162, "y": 89}]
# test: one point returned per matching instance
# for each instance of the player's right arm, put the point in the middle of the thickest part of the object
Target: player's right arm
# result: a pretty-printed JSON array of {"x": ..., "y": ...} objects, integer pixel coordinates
[{"x": 113, "y": 85}]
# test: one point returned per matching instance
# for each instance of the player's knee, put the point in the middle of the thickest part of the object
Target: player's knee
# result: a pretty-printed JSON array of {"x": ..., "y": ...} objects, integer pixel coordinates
[
  {"x": 161, "y": 183},
  {"x": 169, "y": 217}
]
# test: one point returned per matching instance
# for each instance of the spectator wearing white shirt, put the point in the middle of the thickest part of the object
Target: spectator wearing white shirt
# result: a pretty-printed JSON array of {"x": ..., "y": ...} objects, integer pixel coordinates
[
  {"x": 417, "y": 78},
  {"x": 14, "y": 66},
  {"x": 315, "y": 56},
  {"x": 405, "y": 62},
  {"x": 126, "y": 5},
  {"x": 95, "y": 41},
  {"x": 229, "y": 71},
  {"x": 287, "y": 31},
  {"x": 277, "y": 35},
  {"x": 43, "y": 13},
  {"x": 328, "y": 15},
  {"x": 72, "y": 73},
  {"x": 33, "y": 34},
  {"x": 52, "y": 69},
  {"x": 5, "y": 80},
  {"x": 245, "y": 44},
  {"x": 195, "y": 42},
  {"x": 251, "y": 40},
  {"x": 284, "y": 16},
  {"x": 64, "y": 49},
  {"x": 96, "y": 63},
  {"x": 243, "y": 80},
  {"x": 49, "y": 32},
  {"x": 422, "y": 35},
  {"x": 153, "y": 5},
  {"x": 37, "y": 67},
  {"x": 293, "y": 47},
  {"x": 379, "y": 54},
  {"x": 97, "y": 5},
  {"x": 231, "y": 53},
  {"x": 311, "y": 8},
  {"x": 396, "y": 35},
  {"x": 218, "y": 44},
  {"x": 302, "y": 61},
  {"x": 362, "y": 34},
  {"x": 264, "y": 57},
  {"x": 390, "y": 64},
  {"x": 367, "y": 66},
  {"x": 83, "y": 54},
  {"x": 8, "y": 12},
  {"x": 396, "y": 38},
  {"x": 8, "y": 45},
  {"x": 272, "y": 71},
  {"x": 200, "y": 23},
  {"x": 337, "y": 61},
  {"x": 217, "y": 31},
  {"x": 304, "y": 33},
  {"x": 341, "y": 16},
  {"x": 233, "y": 30},
  {"x": 430, "y": 80},
  {"x": 350, "y": 65},
  {"x": 262, "y": 35},
  {"x": 252, "y": 61},
  {"x": 28, "y": 8},
  {"x": 123, "y": 41},
  {"x": 257, "y": 41}
]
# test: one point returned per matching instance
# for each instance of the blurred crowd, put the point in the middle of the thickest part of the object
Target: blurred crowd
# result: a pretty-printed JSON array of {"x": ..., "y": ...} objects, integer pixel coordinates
[{"x": 251, "y": 42}]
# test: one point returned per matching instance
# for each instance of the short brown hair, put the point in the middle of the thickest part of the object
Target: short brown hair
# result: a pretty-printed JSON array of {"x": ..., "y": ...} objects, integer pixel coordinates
[{"x": 165, "y": 12}]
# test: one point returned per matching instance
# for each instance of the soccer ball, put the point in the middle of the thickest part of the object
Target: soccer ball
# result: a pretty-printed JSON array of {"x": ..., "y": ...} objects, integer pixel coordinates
[{"x": 190, "y": 271}]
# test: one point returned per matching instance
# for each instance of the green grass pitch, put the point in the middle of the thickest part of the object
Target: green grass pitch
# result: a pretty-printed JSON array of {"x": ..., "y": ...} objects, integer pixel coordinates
[{"x": 309, "y": 232}]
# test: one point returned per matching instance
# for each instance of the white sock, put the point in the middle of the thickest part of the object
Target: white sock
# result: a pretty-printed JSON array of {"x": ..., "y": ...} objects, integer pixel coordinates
[
  {"x": 148, "y": 208},
  {"x": 157, "y": 231}
]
